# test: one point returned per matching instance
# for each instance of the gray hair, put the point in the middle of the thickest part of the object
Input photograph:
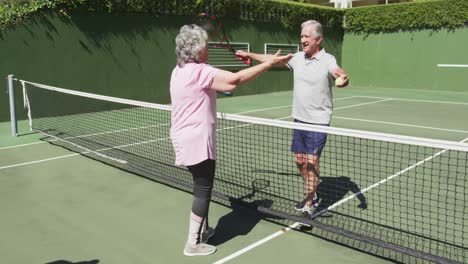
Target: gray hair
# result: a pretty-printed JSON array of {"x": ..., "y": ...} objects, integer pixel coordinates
[
  {"x": 317, "y": 27},
  {"x": 189, "y": 42}
]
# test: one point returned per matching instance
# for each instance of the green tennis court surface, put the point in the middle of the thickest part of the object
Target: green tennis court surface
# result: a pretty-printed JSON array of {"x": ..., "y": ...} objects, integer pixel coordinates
[{"x": 62, "y": 206}]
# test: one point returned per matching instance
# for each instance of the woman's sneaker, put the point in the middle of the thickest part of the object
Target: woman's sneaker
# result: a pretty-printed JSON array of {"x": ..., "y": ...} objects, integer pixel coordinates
[
  {"x": 315, "y": 204},
  {"x": 201, "y": 249}
]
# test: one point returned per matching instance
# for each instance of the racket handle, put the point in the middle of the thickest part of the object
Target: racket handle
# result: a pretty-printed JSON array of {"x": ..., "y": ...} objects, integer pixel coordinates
[{"x": 244, "y": 59}]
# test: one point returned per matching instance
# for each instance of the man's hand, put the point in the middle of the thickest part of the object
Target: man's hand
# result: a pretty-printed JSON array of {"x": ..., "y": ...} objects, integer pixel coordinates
[
  {"x": 279, "y": 60},
  {"x": 242, "y": 54},
  {"x": 340, "y": 73},
  {"x": 276, "y": 59}
]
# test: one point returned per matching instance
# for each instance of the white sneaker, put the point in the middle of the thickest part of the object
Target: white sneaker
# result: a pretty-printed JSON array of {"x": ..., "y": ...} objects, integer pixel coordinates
[
  {"x": 201, "y": 249},
  {"x": 316, "y": 201},
  {"x": 307, "y": 210},
  {"x": 302, "y": 206}
]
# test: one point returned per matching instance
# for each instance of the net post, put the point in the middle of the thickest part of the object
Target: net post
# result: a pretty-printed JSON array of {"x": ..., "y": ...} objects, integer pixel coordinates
[{"x": 11, "y": 95}]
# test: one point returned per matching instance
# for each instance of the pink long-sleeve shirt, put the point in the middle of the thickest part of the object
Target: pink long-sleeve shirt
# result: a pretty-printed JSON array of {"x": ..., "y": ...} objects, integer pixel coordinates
[{"x": 193, "y": 116}]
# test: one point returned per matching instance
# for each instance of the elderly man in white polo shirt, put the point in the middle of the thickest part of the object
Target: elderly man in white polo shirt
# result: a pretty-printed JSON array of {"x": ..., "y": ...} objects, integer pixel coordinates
[{"x": 314, "y": 75}]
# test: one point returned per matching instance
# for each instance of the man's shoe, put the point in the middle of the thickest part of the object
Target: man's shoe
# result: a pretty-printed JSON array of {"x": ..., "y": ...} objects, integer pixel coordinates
[
  {"x": 307, "y": 211},
  {"x": 315, "y": 203},
  {"x": 209, "y": 233},
  {"x": 300, "y": 205}
]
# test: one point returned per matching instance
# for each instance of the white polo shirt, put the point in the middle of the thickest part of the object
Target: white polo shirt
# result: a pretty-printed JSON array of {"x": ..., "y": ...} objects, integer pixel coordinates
[{"x": 313, "y": 82}]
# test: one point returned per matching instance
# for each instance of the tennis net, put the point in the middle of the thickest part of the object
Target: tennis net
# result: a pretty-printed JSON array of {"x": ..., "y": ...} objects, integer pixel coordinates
[{"x": 401, "y": 193}]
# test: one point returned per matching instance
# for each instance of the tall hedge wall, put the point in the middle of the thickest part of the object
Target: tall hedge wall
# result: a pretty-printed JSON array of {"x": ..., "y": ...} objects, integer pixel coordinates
[{"x": 433, "y": 14}]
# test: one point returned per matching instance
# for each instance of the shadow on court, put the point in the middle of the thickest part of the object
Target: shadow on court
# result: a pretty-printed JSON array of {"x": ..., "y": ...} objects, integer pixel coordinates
[
  {"x": 333, "y": 189},
  {"x": 239, "y": 222},
  {"x": 330, "y": 190},
  {"x": 94, "y": 261}
]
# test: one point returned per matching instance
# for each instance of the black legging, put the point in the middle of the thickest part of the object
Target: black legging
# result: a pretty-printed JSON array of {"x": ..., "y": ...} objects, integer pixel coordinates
[{"x": 203, "y": 176}]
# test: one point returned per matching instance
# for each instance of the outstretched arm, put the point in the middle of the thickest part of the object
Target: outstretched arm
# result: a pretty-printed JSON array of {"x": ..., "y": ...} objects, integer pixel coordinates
[
  {"x": 258, "y": 57},
  {"x": 226, "y": 81}
]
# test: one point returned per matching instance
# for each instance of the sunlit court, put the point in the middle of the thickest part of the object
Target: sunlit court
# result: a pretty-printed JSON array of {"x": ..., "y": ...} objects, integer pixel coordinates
[{"x": 88, "y": 171}]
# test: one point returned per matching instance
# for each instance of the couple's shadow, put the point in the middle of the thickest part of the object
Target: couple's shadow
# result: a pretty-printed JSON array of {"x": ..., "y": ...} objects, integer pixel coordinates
[
  {"x": 333, "y": 189},
  {"x": 239, "y": 222},
  {"x": 94, "y": 261},
  {"x": 242, "y": 219}
]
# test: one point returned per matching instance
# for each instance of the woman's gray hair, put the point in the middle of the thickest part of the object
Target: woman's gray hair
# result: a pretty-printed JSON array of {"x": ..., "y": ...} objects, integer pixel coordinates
[
  {"x": 317, "y": 27},
  {"x": 189, "y": 42}
]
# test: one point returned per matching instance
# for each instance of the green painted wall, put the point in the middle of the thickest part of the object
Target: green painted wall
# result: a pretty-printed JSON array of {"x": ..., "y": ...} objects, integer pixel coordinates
[
  {"x": 408, "y": 59},
  {"x": 129, "y": 56},
  {"x": 132, "y": 55}
]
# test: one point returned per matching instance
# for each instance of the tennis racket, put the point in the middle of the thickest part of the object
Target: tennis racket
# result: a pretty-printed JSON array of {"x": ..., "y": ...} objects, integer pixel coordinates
[
  {"x": 216, "y": 33},
  {"x": 257, "y": 185}
]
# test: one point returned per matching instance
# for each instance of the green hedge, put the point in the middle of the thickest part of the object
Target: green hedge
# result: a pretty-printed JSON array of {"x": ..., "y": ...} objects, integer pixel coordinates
[
  {"x": 13, "y": 11},
  {"x": 432, "y": 14},
  {"x": 289, "y": 14},
  {"x": 407, "y": 16}
]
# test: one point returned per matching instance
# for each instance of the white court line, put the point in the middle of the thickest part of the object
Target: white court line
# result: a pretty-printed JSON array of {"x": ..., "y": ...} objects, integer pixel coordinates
[
  {"x": 453, "y": 65},
  {"x": 39, "y": 161},
  {"x": 84, "y": 152},
  {"x": 87, "y": 135},
  {"x": 284, "y": 106},
  {"x": 343, "y": 107},
  {"x": 263, "y": 109},
  {"x": 400, "y": 124},
  {"x": 258, "y": 243},
  {"x": 22, "y": 145},
  {"x": 412, "y": 100},
  {"x": 349, "y": 106}
]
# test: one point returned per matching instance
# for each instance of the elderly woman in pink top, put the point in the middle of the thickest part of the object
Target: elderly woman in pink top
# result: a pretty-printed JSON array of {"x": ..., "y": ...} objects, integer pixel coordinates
[{"x": 193, "y": 122}]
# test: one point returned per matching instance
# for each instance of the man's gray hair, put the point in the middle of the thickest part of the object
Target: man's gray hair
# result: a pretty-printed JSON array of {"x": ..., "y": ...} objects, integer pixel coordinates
[
  {"x": 189, "y": 42},
  {"x": 317, "y": 27}
]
